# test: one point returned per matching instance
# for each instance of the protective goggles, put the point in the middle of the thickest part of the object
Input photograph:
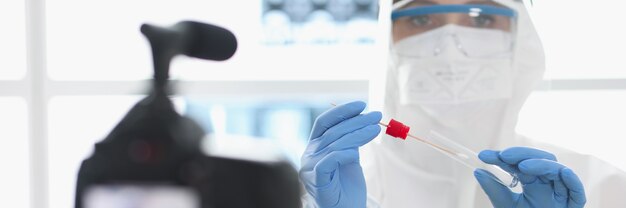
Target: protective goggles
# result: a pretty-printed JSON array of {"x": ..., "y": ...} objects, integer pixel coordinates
[{"x": 482, "y": 29}]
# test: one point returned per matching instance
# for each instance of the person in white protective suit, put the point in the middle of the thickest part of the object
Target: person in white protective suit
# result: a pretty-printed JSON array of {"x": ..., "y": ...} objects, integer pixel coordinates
[{"x": 463, "y": 69}]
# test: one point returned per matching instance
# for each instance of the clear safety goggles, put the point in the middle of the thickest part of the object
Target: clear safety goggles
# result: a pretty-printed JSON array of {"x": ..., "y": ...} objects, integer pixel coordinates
[{"x": 482, "y": 30}]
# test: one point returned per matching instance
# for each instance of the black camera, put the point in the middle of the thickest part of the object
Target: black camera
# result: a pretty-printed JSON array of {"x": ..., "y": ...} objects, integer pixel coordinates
[{"x": 153, "y": 156}]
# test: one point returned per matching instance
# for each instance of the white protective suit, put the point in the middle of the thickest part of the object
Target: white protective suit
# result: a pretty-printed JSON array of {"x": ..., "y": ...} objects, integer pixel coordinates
[{"x": 410, "y": 174}]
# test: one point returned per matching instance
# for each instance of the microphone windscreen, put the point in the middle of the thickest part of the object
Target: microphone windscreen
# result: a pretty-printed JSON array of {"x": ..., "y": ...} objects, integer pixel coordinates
[{"x": 208, "y": 41}]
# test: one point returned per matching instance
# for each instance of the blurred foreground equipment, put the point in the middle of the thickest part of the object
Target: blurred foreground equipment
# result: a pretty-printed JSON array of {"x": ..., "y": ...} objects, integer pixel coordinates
[{"x": 155, "y": 149}]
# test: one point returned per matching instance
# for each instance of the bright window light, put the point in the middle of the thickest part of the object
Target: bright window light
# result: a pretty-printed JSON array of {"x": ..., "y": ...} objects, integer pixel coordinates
[
  {"x": 14, "y": 156},
  {"x": 582, "y": 43},
  {"x": 105, "y": 44},
  {"x": 13, "y": 41}
]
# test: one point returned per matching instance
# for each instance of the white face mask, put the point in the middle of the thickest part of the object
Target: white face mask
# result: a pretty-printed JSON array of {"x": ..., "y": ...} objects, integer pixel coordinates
[{"x": 450, "y": 75}]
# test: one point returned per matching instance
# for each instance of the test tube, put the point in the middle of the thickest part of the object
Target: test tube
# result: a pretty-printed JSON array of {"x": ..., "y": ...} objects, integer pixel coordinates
[
  {"x": 466, "y": 157},
  {"x": 452, "y": 149}
]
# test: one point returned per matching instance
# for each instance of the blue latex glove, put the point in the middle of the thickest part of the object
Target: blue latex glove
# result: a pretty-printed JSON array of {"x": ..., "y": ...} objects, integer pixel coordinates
[
  {"x": 330, "y": 171},
  {"x": 545, "y": 182}
]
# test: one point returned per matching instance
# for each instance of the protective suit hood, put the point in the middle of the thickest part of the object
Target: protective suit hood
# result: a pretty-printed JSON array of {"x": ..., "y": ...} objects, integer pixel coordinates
[
  {"x": 528, "y": 69},
  {"x": 430, "y": 174}
]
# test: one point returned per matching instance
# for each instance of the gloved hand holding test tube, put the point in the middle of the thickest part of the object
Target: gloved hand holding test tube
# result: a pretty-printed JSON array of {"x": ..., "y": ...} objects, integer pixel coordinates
[{"x": 450, "y": 148}]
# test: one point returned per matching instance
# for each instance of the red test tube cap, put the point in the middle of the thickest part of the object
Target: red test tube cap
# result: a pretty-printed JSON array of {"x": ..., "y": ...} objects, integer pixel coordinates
[{"x": 397, "y": 129}]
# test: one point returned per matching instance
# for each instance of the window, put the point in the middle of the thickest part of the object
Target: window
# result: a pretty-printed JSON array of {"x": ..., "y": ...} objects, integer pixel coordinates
[
  {"x": 14, "y": 155},
  {"x": 14, "y": 143},
  {"x": 13, "y": 50},
  {"x": 581, "y": 43},
  {"x": 78, "y": 50}
]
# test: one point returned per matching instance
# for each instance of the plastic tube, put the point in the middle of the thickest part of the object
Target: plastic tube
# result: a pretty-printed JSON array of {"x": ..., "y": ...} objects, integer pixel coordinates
[{"x": 467, "y": 157}]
